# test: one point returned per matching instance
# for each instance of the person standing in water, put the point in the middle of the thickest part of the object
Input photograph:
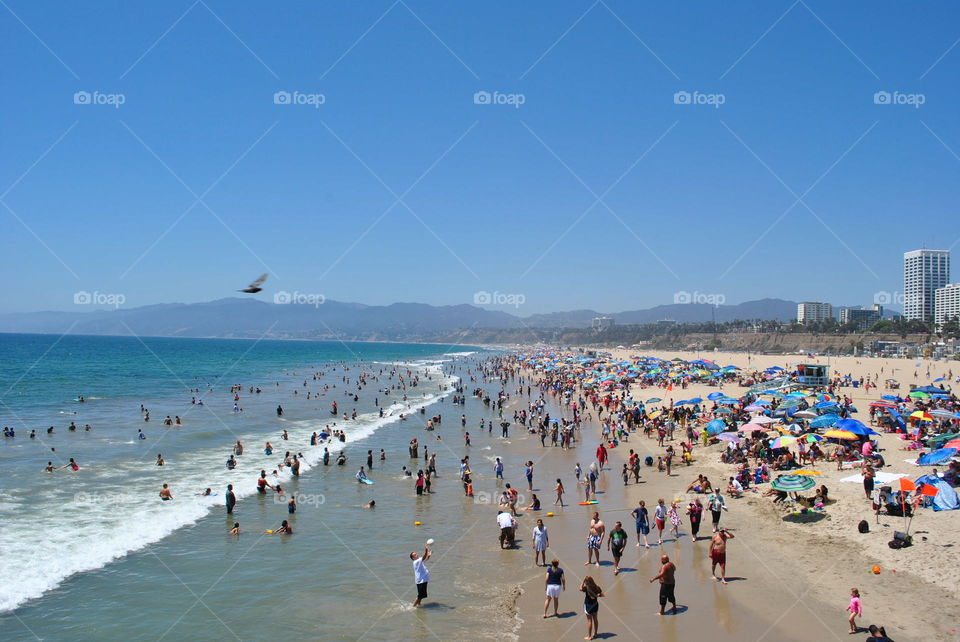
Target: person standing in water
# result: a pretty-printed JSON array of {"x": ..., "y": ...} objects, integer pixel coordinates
[
  {"x": 615, "y": 544},
  {"x": 420, "y": 574},
  {"x": 642, "y": 518},
  {"x": 555, "y": 584},
  {"x": 591, "y": 605},
  {"x": 668, "y": 584},
  {"x": 718, "y": 554},
  {"x": 231, "y": 499},
  {"x": 541, "y": 541}
]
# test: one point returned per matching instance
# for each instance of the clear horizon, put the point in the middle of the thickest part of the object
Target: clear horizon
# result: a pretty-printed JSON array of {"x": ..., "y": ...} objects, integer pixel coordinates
[{"x": 594, "y": 155}]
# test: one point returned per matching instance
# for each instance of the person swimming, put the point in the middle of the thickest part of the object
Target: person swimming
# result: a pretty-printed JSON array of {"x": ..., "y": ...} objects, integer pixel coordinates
[{"x": 165, "y": 494}]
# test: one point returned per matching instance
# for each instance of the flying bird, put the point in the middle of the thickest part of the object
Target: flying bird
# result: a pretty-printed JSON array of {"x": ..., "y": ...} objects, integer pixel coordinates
[{"x": 254, "y": 287}]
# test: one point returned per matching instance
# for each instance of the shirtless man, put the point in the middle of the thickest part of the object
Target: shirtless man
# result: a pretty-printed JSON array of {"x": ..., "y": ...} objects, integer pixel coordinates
[
  {"x": 718, "y": 553},
  {"x": 165, "y": 493},
  {"x": 595, "y": 539},
  {"x": 667, "y": 583}
]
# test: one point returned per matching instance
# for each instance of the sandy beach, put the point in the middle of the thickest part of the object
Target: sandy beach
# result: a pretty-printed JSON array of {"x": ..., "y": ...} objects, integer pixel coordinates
[{"x": 792, "y": 580}]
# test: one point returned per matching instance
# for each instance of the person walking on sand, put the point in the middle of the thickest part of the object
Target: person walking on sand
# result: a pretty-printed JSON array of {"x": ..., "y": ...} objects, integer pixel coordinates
[
  {"x": 591, "y": 605},
  {"x": 674, "y": 516},
  {"x": 420, "y": 574},
  {"x": 559, "y": 490},
  {"x": 716, "y": 505},
  {"x": 660, "y": 519},
  {"x": 695, "y": 511},
  {"x": 615, "y": 544},
  {"x": 641, "y": 516},
  {"x": 718, "y": 554},
  {"x": 668, "y": 584},
  {"x": 541, "y": 540},
  {"x": 556, "y": 583},
  {"x": 856, "y": 610},
  {"x": 594, "y": 539}
]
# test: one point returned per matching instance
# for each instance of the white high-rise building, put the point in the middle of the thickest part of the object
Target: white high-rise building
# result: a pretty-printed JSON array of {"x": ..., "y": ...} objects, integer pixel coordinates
[
  {"x": 947, "y": 304},
  {"x": 924, "y": 271},
  {"x": 813, "y": 312}
]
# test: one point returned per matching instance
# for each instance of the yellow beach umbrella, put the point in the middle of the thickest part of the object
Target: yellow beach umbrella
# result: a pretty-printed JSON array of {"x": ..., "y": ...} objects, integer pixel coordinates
[{"x": 839, "y": 434}]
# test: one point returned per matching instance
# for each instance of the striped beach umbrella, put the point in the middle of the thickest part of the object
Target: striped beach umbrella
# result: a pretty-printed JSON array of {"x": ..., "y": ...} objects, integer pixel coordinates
[
  {"x": 793, "y": 483},
  {"x": 839, "y": 434},
  {"x": 783, "y": 441},
  {"x": 921, "y": 415}
]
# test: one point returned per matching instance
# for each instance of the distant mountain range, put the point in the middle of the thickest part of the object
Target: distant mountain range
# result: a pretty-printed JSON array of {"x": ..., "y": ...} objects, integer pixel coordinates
[{"x": 251, "y": 318}]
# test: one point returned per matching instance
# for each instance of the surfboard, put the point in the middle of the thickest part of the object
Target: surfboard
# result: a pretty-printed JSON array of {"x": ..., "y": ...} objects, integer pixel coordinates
[
  {"x": 592, "y": 501},
  {"x": 366, "y": 481}
]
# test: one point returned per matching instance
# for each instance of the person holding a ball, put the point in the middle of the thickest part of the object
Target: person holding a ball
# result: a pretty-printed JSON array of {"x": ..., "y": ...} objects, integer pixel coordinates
[{"x": 420, "y": 573}]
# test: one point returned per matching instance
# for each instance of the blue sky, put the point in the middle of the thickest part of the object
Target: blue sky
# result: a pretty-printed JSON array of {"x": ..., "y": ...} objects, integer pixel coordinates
[{"x": 598, "y": 191}]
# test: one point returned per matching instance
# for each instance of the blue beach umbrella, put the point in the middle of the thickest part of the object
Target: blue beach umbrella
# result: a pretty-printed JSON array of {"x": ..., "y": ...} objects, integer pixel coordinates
[
  {"x": 713, "y": 396},
  {"x": 854, "y": 426},
  {"x": 824, "y": 421},
  {"x": 715, "y": 427}
]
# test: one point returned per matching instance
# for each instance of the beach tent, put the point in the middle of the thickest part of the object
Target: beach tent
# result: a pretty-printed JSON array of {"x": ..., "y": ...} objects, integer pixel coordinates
[
  {"x": 946, "y": 497},
  {"x": 936, "y": 457}
]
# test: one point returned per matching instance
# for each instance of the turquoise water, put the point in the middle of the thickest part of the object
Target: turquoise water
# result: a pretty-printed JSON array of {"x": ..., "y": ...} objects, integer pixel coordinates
[{"x": 94, "y": 553}]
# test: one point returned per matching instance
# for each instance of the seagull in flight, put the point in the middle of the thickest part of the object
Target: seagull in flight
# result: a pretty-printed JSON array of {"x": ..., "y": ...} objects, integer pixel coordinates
[{"x": 254, "y": 287}]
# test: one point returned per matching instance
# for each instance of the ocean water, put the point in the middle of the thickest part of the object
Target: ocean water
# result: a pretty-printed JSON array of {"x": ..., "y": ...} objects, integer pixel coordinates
[{"x": 94, "y": 553}]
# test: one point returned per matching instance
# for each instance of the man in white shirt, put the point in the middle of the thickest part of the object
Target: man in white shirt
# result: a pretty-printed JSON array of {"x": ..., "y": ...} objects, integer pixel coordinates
[
  {"x": 420, "y": 574},
  {"x": 507, "y": 528},
  {"x": 735, "y": 488}
]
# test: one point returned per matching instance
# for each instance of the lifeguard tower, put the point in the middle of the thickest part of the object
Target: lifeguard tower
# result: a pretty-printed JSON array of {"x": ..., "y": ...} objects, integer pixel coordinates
[{"x": 813, "y": 375}]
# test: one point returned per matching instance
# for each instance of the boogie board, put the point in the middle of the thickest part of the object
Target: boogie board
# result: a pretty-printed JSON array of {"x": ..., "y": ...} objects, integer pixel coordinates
[
  {"x": 592, "y": 501},
  {"x": 366, "y": 481}
]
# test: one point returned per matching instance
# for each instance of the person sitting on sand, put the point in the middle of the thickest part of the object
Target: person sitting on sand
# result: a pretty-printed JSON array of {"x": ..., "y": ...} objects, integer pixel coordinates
[{"x": 696, "y": 486}]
